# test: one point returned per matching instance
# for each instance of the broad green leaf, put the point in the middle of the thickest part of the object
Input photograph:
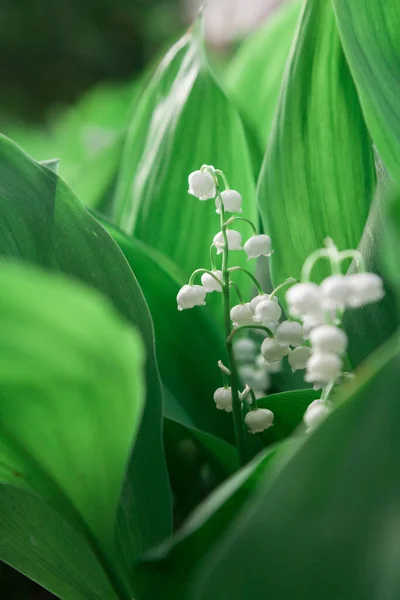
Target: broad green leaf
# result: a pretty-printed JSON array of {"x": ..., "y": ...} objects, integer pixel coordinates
[
  {"x": 369, "y": 32},
  {"x": 45, "y": 548},
  {"x": 372, "y": 325},
  {"x": 254, "y": 76},
  {"x": 42, "y": 222},
  {"x": 64, "y": 355},
  {"x": 173, "y": 564},
  {"x": 328, "y": 525},
  {"x": 318, "y": 176},
  {"x": 289, "y": 409},
  {"x": 182, "y": 122}
]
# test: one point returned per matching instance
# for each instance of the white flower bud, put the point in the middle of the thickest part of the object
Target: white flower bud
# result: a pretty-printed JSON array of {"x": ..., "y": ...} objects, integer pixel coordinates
[
  {"x": 364, "y": 289},
  {"x": 256, "y": 378},
  {"x": 258, "y": 245},
  {"x": 315, "y": 414},
  {"x": 223, "y": 399},
  {"x": 335, "y": 292},
  {"x": 260, "y": 298},
  {"x": 190, "y": 296},
  {"x": 304, "y": 299},
  {"x": 210, "y": 284},
  {"x": 259, "y": 419},
  {"x": 310, "y": 322},
  {"x": 267, "y": 311},
  {"x": 232, "y": 202},
  {"x": 272, "y": 351},
  {"x": 328, "y": 338},
  {"x": 298, "y": 358},
  {"x": 234, "y": 240},
  {"x": 289, "y": 333},
  {"x": 244, "y": 349},
  {"x": 241, "y": 314},
  {"x": 323, "y": 368},
  {"x": 202, "y": 185}
]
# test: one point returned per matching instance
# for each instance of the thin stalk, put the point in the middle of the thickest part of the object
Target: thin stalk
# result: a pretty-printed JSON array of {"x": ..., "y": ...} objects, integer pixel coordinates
[
  {"x": 236, "y": 404},
  {"x": 237, "y": 329},
  {"x": 282, "y": 285},
  {"x": 256, "y": 282},
  {"x": 232, "y": 219},
  {"x": 197, "y": 271},
  {"x": 236, "y": 287}
]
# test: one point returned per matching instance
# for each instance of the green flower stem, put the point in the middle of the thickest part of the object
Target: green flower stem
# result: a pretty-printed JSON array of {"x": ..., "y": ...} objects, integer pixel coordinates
[
  {"x": 253, "y": 405},
  {"x": 288, "y": 281},
  {"x": 236, "y": 404},
  {"x": 355, "y": 255},
  {"x": 256, "y": 282},
  {"x": 197, "y": 271},
  {"x": 237, "y": 329},
  {"x": 330, "y": 252},
  {"x": 224, "y": 179},
  {"x": 239, "y": 295},
  {"x": 232, "y": 219},
  {"x": 212, "y": 258}
]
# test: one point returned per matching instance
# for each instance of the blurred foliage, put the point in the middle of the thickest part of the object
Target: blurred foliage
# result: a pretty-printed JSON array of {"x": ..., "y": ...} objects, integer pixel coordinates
[{"x": 51, "y": 52}]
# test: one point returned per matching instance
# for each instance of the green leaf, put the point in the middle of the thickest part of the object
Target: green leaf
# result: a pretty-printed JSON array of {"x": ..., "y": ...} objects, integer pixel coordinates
[
  {"x": 327, "y": 526},
  {"x": 182, "y": 122},
  {"x": 289, "y": 409},
  {"x": 45, "y": 548},
  {"x": 370, "y": 35},
  {"x": 174, "y": 563},
  {"x": 372, "y": 325},
  {"x": 318, "y": 177},
  {"x": 254, "y": 76},
  {"x": 42, "y": 222},
  {"x": 64, "y": 353}
]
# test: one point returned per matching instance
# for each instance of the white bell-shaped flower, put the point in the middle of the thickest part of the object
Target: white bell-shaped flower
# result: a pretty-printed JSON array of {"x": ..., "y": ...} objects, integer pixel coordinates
[
  {"x": 310, "y": 322},
  {"x": 315, "y": 414},
  {"x": 234, "y": 240},
  {"x": 257, "y": 377},
  {"x": 260, "y": 298},
  {"x": 258, "y": 245},
  {"x": 190, "y": 296},
  {"x": 323, "y": 368},
  {"x": 244, "y": 350},
  {"x": 272, "y": 351},
  {"x": 289, "y": 333},
  {"x": 259, "y": 419},
  {"x": 210, "y": 284},
  {"x": 335, "y": 292},
  {"x": 298, "y": 358},
  {"x": 223, "y": 399},
  {"x": 202, "y": 185},
  {"x": 241, "y": 314},
  {"x": 267, "y": 311},
  {"x": 328, "y": 338},
  {"x": 231, "y": 200},
  {"x": 304, "y": 299},
  {"x": 364, "y": 289}
]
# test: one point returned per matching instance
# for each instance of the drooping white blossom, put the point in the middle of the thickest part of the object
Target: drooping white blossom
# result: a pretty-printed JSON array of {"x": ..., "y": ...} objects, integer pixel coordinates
[
  {"x": 223, "y": 399},
  {"x": 310, "y": 322},
  {"x": 289, "y": 333},
  {"x": 260, "y": 298},
  {"x": 202, "y": 185},
  {"x": 364, "y": 289},
  {"x": 234, "y": 240},
  {"x": 190, "y": 296},
  {"x": 323, "y": 368},
  {"x": 272, "y": 351},
  {"x": 254, "y": 376},
  {"x": 335, "y": 292},
  {"x": 210, "y": 284},
  {"x": 258, "y": 245},
  {"x": 259, "y": 420},
  {"x": 315, "y": 414},
  {"x": 244, "y": 349},
  {"x": 328, "y": 338},
  {"x": 267, "y": 311},
  {"x": 241, "y": 314},
  {"x": 304, "y": 299},
  {"x": 231, "y": 200},
  {"x": 298, "y": 357}
]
